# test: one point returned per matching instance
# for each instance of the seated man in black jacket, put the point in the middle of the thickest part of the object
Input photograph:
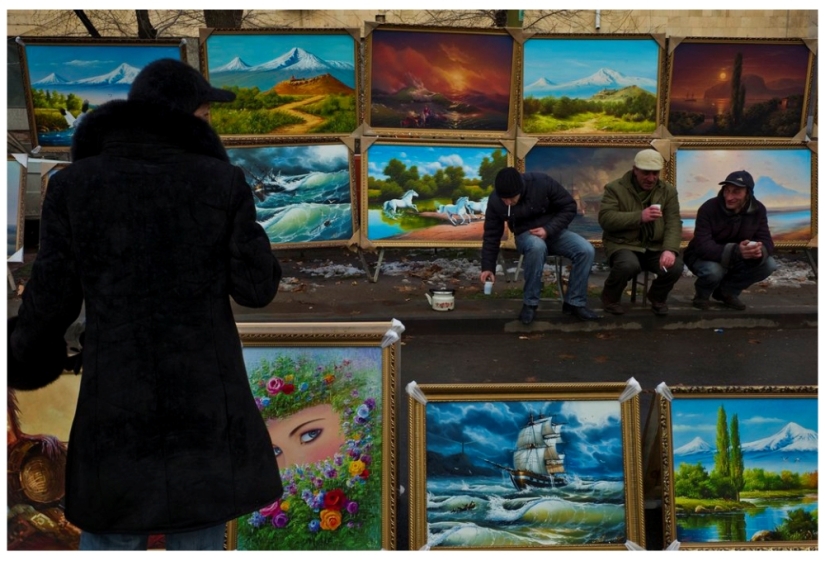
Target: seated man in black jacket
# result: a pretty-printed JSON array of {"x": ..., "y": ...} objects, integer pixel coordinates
[
  {"x": 537, "y": 210},
  {"x": 731, "y": 246}
]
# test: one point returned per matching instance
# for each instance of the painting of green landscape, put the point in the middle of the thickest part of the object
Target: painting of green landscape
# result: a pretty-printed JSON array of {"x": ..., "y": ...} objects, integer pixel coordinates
[
  {"x": 285, "y": 83},
  {"x": 590, "y": 85},
  {"x": 745, "y": 468}
]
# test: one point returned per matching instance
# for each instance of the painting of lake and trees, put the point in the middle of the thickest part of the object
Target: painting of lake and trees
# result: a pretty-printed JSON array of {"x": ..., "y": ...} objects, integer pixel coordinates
[
  {"x": 745, "y": 468},
  {"x": 440, "y": 80},
  {"x": 67, "y": 81},
  {"x": 782, "y": 182},
  {"x": 738, "y": 89},
  {"x": 590, "y": 86},
  {"x": 303, "y": 193},
  {"x": 429, "y": 194},
  {"x": 286, "y": 83}
]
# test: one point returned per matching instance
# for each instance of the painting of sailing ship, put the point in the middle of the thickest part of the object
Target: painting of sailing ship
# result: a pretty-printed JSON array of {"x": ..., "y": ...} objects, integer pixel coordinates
[
  {"x": 584, "y": 171},
  {"x": 590, "y": 85},
  {"x": 783, "y": 182},
  {"x": 745, "y": 467},
  {"x": 738, "y": 88},
  {"x": 424, "y": 79},
  {"x": 426, "y": 193},
  {"x": 286, "y": 83},
  {"x": 519, "y": 473},
  {"x": 303, "y": 193},
  {"x": 68, "y": 81}
]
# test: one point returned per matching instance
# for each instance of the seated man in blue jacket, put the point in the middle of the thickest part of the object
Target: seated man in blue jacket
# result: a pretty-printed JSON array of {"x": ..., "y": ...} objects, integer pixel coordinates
[
  {"x": 537, "y": 209},
  {"x": 731, "y": 246}
]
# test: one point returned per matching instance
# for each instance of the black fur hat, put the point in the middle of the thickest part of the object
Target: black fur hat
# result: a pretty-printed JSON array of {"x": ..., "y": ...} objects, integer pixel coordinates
[
  {"x": 509, "y": 183},
  {"x": 175, "y": 84}
]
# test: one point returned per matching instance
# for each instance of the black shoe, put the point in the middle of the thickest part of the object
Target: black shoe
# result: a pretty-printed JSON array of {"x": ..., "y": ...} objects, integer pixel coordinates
[
  {"x": 614, "y": 308},
  {"x": 581, "y": 312},
  {"x": 527, "y": 314},
  {"x": 728, "y": 300},
  {"x": 659, "y": 308},
  {"x": 701, "y": 303}
]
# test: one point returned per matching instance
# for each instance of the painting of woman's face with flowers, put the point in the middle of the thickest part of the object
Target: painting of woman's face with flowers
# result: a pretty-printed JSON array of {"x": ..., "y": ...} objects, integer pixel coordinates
[{"x": 323, "y": 408}]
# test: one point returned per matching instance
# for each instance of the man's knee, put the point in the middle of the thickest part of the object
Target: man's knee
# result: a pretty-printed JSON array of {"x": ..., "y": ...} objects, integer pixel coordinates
[{"x": 626, "y": 266}]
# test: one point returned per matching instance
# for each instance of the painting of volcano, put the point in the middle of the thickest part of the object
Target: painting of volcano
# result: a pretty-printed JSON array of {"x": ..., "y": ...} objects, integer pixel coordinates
[
  {"x": 286, "y": 83},
  {"x": 783, "y": 178},
  {"x": 449, "y": 81},
  {"x": 67, "y": 81},
  {"x": 590, "y": 86},
  {"x": 738, "y": 88},
  {"x": 744, "y": 467}
]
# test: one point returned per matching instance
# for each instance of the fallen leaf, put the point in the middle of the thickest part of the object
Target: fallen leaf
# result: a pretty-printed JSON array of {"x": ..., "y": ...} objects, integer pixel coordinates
[
  {"x": 601, "y": 359},
  {"x": 567, "y": 356},
  {"x": 754, "y": 341}
]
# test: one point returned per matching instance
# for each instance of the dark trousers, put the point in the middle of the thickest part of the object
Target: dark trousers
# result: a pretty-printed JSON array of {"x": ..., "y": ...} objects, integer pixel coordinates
[{"x": 626, "y": 264}]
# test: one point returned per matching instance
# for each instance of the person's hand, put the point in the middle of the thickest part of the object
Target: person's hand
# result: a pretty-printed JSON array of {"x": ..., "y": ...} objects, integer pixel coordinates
[
  {"x": 750, "y": 250},
  {"x": 651, "y": 213},
  {"x": 539, "y": 232},
  {"x": 487, "y": 276},
  {"x": 667, "y": 259}
]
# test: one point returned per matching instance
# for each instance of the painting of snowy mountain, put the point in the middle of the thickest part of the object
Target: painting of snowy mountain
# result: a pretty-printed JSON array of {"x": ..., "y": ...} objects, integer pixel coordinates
[
  {"x": 286, "y": 83},
  {"x": 590, "y": 85},
  {"x": 67, "y": 81}
]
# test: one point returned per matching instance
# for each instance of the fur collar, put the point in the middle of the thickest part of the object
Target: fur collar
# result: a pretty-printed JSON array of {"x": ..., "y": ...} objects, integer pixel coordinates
[{"x": 141, "y": 122}]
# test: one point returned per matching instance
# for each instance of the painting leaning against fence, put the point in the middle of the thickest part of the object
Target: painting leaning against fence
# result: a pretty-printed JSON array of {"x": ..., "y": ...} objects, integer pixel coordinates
[
  {"x": 303, "y": 193},
  {"x": 745, "y": 469}
]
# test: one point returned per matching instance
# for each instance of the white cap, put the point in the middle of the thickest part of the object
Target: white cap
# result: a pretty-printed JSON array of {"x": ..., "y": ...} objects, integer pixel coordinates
[{"x": 649, "y": 160}]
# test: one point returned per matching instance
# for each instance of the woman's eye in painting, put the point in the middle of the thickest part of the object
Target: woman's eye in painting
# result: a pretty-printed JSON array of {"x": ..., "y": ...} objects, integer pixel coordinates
[
  {"x": 310, "y": 435},
  {"x": 277, "y": 450}
]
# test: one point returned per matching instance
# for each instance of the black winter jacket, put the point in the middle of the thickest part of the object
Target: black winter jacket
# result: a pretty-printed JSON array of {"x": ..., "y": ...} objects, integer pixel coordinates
[
  {"x": 543, "y": 202},
  {"x": 154, "y": 229},
  {"x": 718, "y": 231}
]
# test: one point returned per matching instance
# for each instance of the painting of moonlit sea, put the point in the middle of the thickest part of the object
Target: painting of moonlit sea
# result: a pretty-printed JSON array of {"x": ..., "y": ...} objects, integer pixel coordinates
[
  {"x": 514, "y": 474},
  {"x": 763, "y": 487},
  {"x": 782, "y": 182},
  {"x": 302, "y": 192}
]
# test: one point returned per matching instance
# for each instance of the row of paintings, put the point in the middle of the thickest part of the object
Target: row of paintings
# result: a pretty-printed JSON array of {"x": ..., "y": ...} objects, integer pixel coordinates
[
  {"x": 415, "y": 194},
  {"x": 499, "y": 466},
  {"x": 446, "y": 82}
]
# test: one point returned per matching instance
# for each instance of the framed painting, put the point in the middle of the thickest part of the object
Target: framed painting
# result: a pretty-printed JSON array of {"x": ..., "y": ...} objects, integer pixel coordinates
[
  {"x": 518, "y": 466},
  {"x": 738, "y": 88},
  {"x": 327, "y": 394},
  {"x": 584, "y": 169},
  {"x": 288, "y": 82},
  {"x": 440, "y": 82},
  {"x": 304, "y": 192},
  {"x": 741, "y": 467},
  {"x": 421, "y": 194},
  {"x": 67, "y": 78},
  {"x": 591, "y": 85},
  {"x": 15, "y": 205},
  {"x": 785, "y": 181}
]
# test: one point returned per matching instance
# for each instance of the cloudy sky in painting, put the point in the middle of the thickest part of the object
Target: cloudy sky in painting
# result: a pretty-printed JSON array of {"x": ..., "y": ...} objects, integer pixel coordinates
[
  {"x": 256, "y": 49},
  {"x": 75, "y": 62},
  {"x": 448, "y": 63},
  {"x": 586, "y": 168},
  {"x": 292, "y": 160},
  {"x": 591, "y": 431},
  {"x": 429, "y": 159}
]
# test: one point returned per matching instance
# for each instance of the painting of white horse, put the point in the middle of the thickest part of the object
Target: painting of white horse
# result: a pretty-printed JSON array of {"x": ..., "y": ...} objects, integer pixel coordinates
[
  {"x": 458, "y": 209},
  {"x": 477, "y": 206},
  {"x": 392, "y": 206}
]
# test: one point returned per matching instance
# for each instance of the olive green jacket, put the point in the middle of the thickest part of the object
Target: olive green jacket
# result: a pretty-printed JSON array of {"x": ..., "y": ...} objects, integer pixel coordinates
[{"x": 620, "y": 217}]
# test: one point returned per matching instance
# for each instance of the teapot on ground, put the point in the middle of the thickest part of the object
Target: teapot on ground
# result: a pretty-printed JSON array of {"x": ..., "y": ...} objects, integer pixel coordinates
[{"x": 441, "y": 299}]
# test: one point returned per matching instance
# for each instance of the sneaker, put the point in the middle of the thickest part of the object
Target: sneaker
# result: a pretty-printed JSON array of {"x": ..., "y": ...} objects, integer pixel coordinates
[
  {"x": 728, "y": 300},
  {"x": 581, "y": 312},
  {"x": 614, "y": 308},
  {"x": 527, "y": 314},
  {"x": 659, "y": 308},
  {"x": 701, "y": 303}
]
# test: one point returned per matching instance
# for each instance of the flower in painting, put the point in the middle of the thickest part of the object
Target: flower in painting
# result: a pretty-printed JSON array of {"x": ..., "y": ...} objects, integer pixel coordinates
[
  {"x": 274, "y": 385},
  {"x": 363, "y": 412},
  {"x": 280, "y": 520},
  {"x": 314, "y": 526},
  {"x": 370, "y": 402},
  {"x": 285, "y": 506},
  {"x": 330, "y": 519},
  {"x": 356, "y": 467},
  {"x": 334, "y": 499},
  {"x": 351, "y": 507},
  {"x": 271, "y": 509},
  {"x": 288, "y": 388},
  {"x": 257, "y": 519}
]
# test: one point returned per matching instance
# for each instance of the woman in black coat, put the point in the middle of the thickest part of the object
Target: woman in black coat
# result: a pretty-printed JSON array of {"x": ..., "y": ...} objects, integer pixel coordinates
[{"x": 153, "y": 230}]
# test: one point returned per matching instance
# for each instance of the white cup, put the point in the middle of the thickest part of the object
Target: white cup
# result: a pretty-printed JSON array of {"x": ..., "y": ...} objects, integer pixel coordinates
[
  {"x": 752, "y": 244},
  {"x": 488, "y": 288},
  {"x": 656, "y": 206}
]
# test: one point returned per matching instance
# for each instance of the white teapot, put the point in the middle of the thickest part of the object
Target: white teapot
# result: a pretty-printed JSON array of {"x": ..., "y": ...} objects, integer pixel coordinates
[{"x": 442, "y": 299}]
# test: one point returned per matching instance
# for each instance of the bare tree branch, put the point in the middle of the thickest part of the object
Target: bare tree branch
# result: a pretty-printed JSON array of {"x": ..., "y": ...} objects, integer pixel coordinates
[
  {"x": 87, "y": 23},
  {"x": 229, "y": 19},
  {"x": 145, "y": 28}
]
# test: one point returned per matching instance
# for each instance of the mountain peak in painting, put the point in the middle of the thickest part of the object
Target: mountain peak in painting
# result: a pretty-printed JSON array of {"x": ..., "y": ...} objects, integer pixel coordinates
[
  {"x": 589, "y": 85},
  {"x": 695, "y": 446},
  {"x": 123, "y": 74},
  {"x": 235, "y": 65},
  {"x": 791, "y": 438},
  {"x": 51, "y": 79}
]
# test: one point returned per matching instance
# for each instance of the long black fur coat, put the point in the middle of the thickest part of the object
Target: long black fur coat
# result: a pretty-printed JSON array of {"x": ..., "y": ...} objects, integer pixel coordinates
[{"x": 154, "y": 229}]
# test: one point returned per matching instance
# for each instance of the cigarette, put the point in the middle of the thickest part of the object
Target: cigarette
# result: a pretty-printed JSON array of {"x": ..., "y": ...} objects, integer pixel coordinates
[
  {"x": 664, "y": 269},
  {"x": 508, "y": 211}
]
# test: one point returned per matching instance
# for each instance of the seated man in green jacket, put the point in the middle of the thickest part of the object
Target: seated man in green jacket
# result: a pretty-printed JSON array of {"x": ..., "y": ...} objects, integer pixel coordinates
[{"x": 642, "y": 230}]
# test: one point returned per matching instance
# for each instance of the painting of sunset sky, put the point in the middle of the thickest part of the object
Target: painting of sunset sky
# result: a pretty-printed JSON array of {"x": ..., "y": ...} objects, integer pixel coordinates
[{"x": 440, "y": 80}]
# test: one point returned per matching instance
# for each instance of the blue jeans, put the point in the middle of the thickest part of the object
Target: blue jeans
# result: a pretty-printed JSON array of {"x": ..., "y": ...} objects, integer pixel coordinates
[
  {"x": 567, "y": 244},
  {"x": 199, "y": 540},
  {"x": 711, "y": 275}
]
